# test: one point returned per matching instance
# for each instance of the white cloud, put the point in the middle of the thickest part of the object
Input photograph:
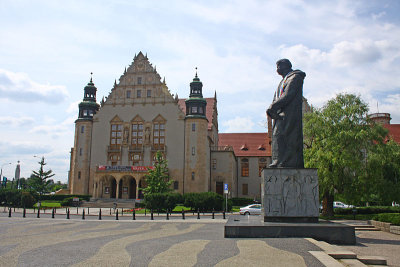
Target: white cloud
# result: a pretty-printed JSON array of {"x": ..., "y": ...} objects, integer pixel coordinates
[
  {"x": 238, "y": 125},
  {"x": 16, "y": 121},
  {"x": 19, "y": 87}
]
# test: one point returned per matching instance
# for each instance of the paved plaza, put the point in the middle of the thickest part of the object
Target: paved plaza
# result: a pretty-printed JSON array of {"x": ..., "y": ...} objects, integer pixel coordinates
[{"x": 45, "y": 241}]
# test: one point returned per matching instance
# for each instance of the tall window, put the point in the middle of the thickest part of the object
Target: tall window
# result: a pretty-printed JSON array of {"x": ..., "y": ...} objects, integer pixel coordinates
[
  {"x": 176, "y": 185},
  {"x": 193, "y": 127},
  {"x": 128, "y": 94},
  {"x": 82, "y": 129},
  {"x": 139, "y": 80},
  {"x": 137, "y": 134},
  {"x": 159, "y": 134},
  {"x": 116, "y": 135},
  {"x": 148, "y": 93},
  {"x": 138, "y": 93},
  {"x": 192, "y": 175},
  {"x": 193, "y": 151},
  {"x": 214, "y": 164},
  {"x": 245, "y": 167},
  {"x": 245, "y": 189},
  {"x": 262, "y": 163}
]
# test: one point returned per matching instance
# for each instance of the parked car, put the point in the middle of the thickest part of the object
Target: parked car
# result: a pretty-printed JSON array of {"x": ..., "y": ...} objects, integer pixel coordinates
[
  {"x": 253, "y": 209},
  {"x": 338, "y": 204}
]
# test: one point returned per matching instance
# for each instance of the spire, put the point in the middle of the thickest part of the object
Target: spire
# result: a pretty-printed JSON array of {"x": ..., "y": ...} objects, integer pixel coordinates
[
  {"x": 91, "y": 77},
  {"x": 196, "y": 73},
  {"x": 115, "y": 82},
  {"x": 215, "y": 94},
  {"x": 164, "y": 80},
  {"x": 125, "y": 71}
]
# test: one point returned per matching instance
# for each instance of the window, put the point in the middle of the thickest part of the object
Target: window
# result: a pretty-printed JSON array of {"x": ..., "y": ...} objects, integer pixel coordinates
[
  {"x": 114, "y": 158},
  {"x": 85, "y": 113},
  {"x": 148, "y": 93},
  {"x": 262, "y": 163},
  {"x": 116, "y": 135},
  {"x": 139, "y": 80},
  {"x": 80, "y": 151},
  {"x": 137, "y": 134},
  {"x": 139, "y": 93},
  {"x": 176, "y": 185},
  {"x": 201, "y": 110},
  {"x": 91, "y": 113},
  {"x": 245, "y": 189},
  {"x": 214, "y": 164},
  {"x": 136, "y": 158},
  {"x": 192, "y": 175},
  {"x": 128, "y": 94},
  {"x": 159, "y": 134},
  {"x": 193, "y": 127},
  {"x": 193, "y": 150},
  {"x": 194, "y": 110},
  {"x": 79, "y": 175},
  {"x": 245, "y": 168},
  {"x": 82, "y": 129}
]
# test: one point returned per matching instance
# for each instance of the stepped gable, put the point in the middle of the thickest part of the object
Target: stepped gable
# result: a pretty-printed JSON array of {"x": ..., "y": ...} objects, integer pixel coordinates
[
  {"x": 209, "y": 109},
  {"x": 246, "y": 144},
  {"x": 394, "y": 131},
  {"x": 140, "y": 69}
]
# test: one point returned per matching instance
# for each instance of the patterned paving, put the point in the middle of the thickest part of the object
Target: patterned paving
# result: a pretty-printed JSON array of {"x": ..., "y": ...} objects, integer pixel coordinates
[{"x": 60, "y": 242}]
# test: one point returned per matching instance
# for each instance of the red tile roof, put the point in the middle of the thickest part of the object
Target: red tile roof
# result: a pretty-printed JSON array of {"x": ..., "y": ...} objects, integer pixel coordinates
[
  {"x": 246, "y": 144},
  {"x": 209, "y": 109},
  {"x": 394, "y": 131}
]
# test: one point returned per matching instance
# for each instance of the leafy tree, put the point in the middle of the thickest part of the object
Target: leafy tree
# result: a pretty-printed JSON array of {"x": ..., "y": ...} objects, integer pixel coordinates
[
  {"x": 38, "y": 180},
  {"x": 337, "y": 140},
  {"x": 157, "y": 179},
  {"x": 384, "y": 166}
]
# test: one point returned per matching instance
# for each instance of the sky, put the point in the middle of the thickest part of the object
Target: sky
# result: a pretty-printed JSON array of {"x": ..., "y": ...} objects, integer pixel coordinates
[{"x": 49, "y": 48}]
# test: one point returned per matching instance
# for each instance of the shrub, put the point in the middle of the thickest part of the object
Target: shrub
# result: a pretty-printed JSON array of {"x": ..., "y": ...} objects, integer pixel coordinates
[
  {"x": 162, "y": 201},
  {"x": 62, "y": 197},
  {"x": 241, "y": 201},
  {"x": 27, "y": 200},
  {"x": 204, "y": 201},
  {"x": 68, "y": 201},
  {"x": 368, "y": 210},
  {"x": 393, "y": 218}
]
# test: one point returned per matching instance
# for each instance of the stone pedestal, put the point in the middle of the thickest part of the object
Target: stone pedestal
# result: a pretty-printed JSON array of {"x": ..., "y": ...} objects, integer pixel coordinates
[{"x": 290, "y": 195}]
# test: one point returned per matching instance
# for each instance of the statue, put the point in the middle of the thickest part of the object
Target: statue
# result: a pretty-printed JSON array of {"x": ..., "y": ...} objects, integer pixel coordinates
[{"x": 286, "y": 112}]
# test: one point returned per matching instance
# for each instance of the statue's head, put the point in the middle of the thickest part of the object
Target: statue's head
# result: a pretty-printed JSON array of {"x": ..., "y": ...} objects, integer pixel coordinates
[{"x": 283, "y": 67}]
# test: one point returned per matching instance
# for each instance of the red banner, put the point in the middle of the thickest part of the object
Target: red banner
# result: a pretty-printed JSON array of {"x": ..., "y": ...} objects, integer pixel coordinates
[{"x": 125, "y": 168}]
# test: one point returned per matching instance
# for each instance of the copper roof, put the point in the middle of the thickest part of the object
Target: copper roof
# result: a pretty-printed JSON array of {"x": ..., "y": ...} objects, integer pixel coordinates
[
  {"x": 246, "y": 144},
  {"x": 209, "y": 109}
]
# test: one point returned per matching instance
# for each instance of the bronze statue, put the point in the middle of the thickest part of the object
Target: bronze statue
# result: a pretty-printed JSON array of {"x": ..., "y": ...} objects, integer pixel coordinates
[{"x": 286, "y": 111}]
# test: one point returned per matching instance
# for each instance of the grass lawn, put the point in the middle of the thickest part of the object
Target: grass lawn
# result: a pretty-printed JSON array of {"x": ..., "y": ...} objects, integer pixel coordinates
[{"x": 49, "y": 204}]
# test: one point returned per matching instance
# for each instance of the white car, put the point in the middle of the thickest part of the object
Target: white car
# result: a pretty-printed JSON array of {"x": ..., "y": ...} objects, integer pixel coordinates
[
  {"x": 338, "y": 204},
  {"x": 253, "y": 209}
]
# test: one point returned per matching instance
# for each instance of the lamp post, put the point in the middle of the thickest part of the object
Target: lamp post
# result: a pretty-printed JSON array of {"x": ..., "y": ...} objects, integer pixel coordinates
[{"x": 1, "y": 171}]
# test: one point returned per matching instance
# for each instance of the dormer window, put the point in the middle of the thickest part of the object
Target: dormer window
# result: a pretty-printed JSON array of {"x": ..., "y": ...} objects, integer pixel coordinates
[
  {"x": 261, "y": 147},
  {"x": 244, "y": 147}
]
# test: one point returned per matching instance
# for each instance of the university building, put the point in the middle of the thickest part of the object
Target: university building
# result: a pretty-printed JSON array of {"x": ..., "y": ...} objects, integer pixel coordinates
[{"x": 117, "y": 139}]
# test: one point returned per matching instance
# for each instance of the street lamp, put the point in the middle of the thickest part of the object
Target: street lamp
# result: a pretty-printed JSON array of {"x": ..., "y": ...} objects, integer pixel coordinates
[{"x": 1, "y": 172}]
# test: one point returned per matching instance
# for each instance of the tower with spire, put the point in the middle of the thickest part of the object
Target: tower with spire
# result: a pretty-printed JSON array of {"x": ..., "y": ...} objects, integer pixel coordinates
[
  {"x": 79, "y": 176},
  {"x": 197, "y": 152}
]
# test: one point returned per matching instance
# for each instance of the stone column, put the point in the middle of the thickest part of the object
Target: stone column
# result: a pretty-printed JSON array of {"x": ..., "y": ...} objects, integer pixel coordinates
[{"x": 117, "y": 190}]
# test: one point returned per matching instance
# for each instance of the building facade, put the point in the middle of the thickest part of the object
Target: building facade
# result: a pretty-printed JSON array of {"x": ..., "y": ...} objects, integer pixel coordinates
[{"x": 116, "y": 140}]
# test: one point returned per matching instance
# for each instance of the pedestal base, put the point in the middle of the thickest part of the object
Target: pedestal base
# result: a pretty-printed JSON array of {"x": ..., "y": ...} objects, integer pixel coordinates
[{"x": 239, "y": 226}]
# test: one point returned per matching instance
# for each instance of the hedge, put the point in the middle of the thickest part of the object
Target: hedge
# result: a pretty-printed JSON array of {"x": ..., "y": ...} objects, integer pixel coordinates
[
  {"x": 368, "y": 210},
  {"x": 162, "y": 201},
  {"x": 393, "y": 218},
  {"x": 17, "y": 198},
  {"x": 62, "y": 197},
  {"x": 241, "y": 201},
  {"x": 205, "y": 201}
]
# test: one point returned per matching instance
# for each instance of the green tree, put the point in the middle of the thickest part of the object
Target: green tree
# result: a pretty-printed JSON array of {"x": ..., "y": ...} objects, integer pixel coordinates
[
  {"x": 38, "y": 180},
  {"x": 384, "y": 166},
  {"x": 157, "y": 179},
  {"x": 337, "y": 140}
]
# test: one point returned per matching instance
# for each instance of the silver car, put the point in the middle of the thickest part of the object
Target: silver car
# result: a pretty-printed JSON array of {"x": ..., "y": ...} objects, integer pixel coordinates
[{"x": 253, "y": 209}]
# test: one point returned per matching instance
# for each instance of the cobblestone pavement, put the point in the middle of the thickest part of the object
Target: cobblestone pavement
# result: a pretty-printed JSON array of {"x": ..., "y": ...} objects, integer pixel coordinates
[{"x": 45, "y": 241}]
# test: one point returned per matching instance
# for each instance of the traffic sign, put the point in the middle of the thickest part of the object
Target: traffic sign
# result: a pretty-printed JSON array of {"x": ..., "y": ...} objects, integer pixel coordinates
[{"x": 225, "y": 188}]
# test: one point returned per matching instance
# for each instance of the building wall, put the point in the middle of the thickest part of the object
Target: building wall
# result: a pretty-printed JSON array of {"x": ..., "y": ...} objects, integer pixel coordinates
[{"x": 224, "y": 170}]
